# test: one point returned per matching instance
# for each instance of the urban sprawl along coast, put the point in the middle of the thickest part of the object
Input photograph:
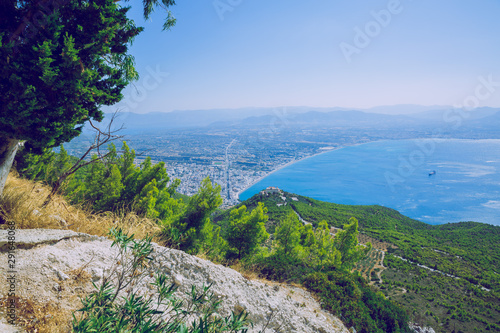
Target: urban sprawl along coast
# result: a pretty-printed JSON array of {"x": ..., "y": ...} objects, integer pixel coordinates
[{"x": 237, "y": 153}]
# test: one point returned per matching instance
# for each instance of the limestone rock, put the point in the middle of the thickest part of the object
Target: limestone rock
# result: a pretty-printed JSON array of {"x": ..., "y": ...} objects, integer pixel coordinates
[
  {"x": 418, "y": 329},
  {"x": 178, "y": 280},
  {"x": 96, "y": 273},
  {"x": 43, "y": 252},
  {"x": 28, "y": 238},
  {"x": 61, "y": 275}
]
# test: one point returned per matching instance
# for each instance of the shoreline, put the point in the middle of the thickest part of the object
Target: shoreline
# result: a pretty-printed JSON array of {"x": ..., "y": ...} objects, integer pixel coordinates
[{"x": 292, "y": 162}]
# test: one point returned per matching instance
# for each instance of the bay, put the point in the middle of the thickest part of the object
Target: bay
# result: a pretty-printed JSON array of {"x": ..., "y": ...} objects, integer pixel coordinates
[{"x": 400, "y": 175}]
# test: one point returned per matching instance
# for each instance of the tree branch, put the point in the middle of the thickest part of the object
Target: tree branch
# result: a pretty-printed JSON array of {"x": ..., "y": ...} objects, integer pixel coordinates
[{"x": 101, "y": 138}]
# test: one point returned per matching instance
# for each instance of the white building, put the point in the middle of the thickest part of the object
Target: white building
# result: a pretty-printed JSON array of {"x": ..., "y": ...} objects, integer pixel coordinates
[{"x": 271, "y": 190}]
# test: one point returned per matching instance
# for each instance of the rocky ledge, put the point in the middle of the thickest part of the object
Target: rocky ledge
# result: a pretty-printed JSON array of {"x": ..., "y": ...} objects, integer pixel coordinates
[{"x": 46, "y": 261}]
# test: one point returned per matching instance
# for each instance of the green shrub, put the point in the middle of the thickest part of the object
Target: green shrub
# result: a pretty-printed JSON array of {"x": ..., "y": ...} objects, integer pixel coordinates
[
  {"x": 349, "y": 297},
  {"x": 105, "y": 311}
]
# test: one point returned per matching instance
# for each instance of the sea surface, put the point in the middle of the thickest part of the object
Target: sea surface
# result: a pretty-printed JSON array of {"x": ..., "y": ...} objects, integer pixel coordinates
[{"x": 400, "y": 175}]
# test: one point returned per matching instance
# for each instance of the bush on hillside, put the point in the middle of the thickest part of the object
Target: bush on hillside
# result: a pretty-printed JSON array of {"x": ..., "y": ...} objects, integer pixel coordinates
[
  {"x": 350, "y": 298},
  {"x": 111, "y": 309}
]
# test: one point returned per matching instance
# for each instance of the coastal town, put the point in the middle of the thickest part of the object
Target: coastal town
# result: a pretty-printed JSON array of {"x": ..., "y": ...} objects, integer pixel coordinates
[
  {"x": 231, "y": 174},
  {"x": 237, "y": 154},
  {"x": 235, "y": 160}
]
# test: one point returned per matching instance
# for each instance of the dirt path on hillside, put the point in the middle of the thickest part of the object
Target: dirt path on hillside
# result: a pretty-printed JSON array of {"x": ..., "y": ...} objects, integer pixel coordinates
[{"x": 382, "y": 268}]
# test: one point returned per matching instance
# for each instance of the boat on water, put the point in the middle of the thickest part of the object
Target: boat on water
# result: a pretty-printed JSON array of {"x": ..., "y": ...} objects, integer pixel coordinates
[{"x": 433, "y": 172}]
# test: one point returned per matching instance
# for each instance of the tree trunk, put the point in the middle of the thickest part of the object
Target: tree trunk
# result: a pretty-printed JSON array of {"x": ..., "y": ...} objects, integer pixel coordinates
[
  {"x": 55, "y": 188},
  {"x": 8, "y": 149}
]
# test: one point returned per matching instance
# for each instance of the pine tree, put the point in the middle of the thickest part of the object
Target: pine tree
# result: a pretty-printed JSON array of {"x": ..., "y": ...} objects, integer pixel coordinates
[
  {"x": 126, "y": 162},
  {"x": 346, "y": 242},
  {"x": 287, "y": 236},
  {"x": 246, "y": 231},
  {"x": 188, "y": 231},
  {"x": 110, "y": 190},
  {"x": 62, "y": 60},
  {"x": 59, "y": 166},
  {"x": 35, "y": 166},
  {"x": 322, "y": 250}
]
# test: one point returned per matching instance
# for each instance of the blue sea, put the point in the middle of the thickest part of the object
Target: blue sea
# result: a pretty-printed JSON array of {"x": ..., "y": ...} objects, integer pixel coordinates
[{"x": 432, "y": 180}]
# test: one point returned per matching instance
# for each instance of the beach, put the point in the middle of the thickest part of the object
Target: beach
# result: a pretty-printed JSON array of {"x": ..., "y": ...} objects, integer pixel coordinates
[
  {"x": 284, "y": 166},
  {"x": 399, "y": 174}
]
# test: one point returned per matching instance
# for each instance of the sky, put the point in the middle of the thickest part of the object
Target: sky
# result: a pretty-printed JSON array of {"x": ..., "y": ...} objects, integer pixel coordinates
[{"x": 351, "y": 53}]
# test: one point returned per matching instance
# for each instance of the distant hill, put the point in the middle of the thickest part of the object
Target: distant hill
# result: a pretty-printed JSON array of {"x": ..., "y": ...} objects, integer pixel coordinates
[
  {"x": 406, "y": 109},
  {"x": 446, "y": 276},
  {"x": 307, "y": 118},
  {"x": 442, "y": 114},
  {"x": 202, "y": 118}
]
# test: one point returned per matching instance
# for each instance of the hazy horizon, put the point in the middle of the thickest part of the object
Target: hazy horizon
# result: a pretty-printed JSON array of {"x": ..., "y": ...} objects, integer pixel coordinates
[
  {"x": 396, "y": 109},
  {"x": 358, "y": 54}
]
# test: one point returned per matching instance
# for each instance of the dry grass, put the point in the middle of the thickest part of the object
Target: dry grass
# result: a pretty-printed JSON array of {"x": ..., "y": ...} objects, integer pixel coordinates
[
  {"x": 246, "y": 272},
  {"x": 22, "y": 202},
  {"x": 23, "y": 199},
  {"x": 40, "y": 317},
  {"x": 49, "y": 317}
]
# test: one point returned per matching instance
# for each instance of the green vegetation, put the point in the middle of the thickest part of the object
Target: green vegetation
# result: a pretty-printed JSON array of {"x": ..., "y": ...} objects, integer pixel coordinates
[
  {"x": 115, "y": 183},
  {"x": 367, "y": 266},
  {"x": 246, "y": 231},
  {"x": 60, "y": 65},
  {"x": 192, "y": 230},
  {"x": 298, "y": 253},
  {"x": 461, "y": 293},
  {"x": 107, "y": 185},
  {"x": 294, "y": 252},
  {"x": 104, "y": 311},
  {"x": 322, "y": 263},
  {"x": 349, "y": 297},
  {"x": 448, "y": 277}
]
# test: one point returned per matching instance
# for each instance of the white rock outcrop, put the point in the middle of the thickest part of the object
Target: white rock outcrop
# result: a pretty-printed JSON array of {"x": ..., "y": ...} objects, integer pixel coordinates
[
  {"x": 44, "y": 266},
  {"x": 418, "y": 329}
]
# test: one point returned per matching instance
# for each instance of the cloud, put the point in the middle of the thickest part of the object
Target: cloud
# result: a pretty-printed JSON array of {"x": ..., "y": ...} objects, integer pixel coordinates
[{"x": 494, "y": 204}]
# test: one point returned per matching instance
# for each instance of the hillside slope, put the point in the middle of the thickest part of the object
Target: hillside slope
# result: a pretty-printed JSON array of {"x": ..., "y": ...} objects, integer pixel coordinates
[
  {"x": 445, "y": 276},
  {"x": 54, "y": 267}
]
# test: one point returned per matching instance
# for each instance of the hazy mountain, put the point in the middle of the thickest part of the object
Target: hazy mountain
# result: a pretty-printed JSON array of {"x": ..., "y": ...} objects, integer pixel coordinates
[
  {"x": 201, "y": 118},
  {"x": 332, "y": 119},
  {"x": 491, "y": 121},
  {"x": 306, "y": 117},
  {"x": 442, "y": 115},
  {"x": 406, "y": 109}
]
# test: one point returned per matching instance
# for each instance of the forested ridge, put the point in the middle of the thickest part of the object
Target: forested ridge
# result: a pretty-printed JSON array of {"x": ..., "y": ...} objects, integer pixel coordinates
[
  {"x": 457, "y": 290},
  {"x": 285, "y": 250},
  {"x": 444, "y": 276},
  {"x": 373, "y": 267}
]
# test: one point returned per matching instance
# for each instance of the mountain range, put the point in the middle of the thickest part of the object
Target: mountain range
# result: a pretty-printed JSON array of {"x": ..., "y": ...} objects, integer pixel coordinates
[{"x": 391, "y": 117}]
